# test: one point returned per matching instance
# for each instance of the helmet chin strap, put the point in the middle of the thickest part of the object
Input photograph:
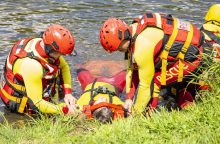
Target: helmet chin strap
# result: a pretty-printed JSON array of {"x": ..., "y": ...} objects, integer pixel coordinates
[
  {"x": 132, "y": 40},
  {"x": 48, "y": 50},
  {"x": 128, "y": 49},
  {"x": 74, "y": 53},
  {"x": 51, "y": 60}
]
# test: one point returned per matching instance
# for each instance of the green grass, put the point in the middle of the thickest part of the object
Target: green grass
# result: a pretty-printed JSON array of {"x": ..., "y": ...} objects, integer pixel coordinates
[{"x": 199, "y": 123}]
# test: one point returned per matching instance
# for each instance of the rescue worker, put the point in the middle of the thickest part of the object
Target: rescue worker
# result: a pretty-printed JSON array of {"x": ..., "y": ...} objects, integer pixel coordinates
[
  {"x": 160, "y": 50},
  {"x": 211, "y": 48},
  {"x": 211, "y": 30},
  {"x": 31, "y": 72},
  {"x": 100, "y": 98}
]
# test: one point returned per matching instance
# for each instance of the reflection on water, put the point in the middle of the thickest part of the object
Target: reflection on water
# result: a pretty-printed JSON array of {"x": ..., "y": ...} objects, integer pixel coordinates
[{"x": 84, "y": 18}]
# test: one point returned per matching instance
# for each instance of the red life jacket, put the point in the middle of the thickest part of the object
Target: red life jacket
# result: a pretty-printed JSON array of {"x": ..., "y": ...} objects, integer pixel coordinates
[
  {"x": 13, "y": 88},
  {"x": 181, "y": 39}
]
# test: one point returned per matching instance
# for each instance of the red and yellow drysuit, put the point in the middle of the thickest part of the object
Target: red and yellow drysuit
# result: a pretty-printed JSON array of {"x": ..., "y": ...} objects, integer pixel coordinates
[
  {"x": 164, "y": 50},
  {"x": 90, "y": 85},
  {"x": 30, "y": 76}
]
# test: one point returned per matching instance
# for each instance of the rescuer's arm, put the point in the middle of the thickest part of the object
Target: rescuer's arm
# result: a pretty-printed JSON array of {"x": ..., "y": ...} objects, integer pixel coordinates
[
  {"x": 67, "y": 83},
  {"x": 32, "y": 73}
]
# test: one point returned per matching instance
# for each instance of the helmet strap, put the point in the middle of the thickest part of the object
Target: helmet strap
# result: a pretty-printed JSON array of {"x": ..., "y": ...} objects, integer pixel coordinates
[
  {"x": 129, "y": 49},
  {"x": 41, "y": 34},
  {"x": 127, "y": 35},
  {"x": 48, "y": 49}
]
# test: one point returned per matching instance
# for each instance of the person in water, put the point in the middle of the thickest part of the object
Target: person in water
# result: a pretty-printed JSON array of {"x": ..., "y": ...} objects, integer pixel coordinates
[
  {"x": 103, "y": 91},
  {"x": 100, "y": 98}
]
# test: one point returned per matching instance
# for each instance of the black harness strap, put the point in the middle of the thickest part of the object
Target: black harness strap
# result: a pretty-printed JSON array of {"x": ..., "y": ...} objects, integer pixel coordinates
[
  {"x": 132, "y": 41},
  {"x": 211, "y": 35},
  {"x": 100, "y": 90},
  {"x": 91, "y": 92}
]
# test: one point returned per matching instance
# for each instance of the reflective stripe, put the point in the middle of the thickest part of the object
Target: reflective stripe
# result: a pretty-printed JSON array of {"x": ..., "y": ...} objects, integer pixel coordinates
[
  {"x": 182, "y": 53},
  {"x": 48, "y": 76},
  {"x": 140, "y": 16},
  {"x": 166, "y": 50},
  {"x": 17, "y": 51},
  {"x": 21, "y": 42},
  {"x": 158, "y": 19},
  {"x": 50, "y": 68},
  {"x": 8, "y": 64},
  {"x": 31, "y": 45},
  {"x": 142, "y": 21}
]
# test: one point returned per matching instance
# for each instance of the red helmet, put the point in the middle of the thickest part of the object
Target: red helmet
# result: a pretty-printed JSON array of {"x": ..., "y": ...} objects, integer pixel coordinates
[
  {"x": 113, "y": 32},
  {"x": 59, "y": 39}
]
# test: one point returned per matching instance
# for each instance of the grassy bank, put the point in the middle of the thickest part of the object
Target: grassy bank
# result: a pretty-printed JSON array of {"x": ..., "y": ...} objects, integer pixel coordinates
[{"x": 196, "y": 124}]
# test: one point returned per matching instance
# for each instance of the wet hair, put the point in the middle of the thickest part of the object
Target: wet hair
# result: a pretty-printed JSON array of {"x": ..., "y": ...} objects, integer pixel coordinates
[{"x": 103, "y": 114}]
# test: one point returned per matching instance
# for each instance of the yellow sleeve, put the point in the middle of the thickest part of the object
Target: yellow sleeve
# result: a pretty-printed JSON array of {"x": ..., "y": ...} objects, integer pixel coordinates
[
  {"x": 67, "y": 80},
  {"x": 144, "y": 57},
  {"x": 129, "y": 73},
  {"x": 33, "y": 84}
]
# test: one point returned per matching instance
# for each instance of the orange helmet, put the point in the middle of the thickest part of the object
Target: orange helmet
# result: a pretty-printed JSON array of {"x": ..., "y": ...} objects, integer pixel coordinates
[
  {"x": 118, "y": 110},
  {"x": 58, "y": 38},
  {"x": 113, "y": 32}
]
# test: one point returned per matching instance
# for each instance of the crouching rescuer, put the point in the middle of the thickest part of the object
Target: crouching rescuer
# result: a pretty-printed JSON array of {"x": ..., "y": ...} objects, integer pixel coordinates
[
  {"x": 161, "y": 52},
  {"x": 32, "y": 69}
]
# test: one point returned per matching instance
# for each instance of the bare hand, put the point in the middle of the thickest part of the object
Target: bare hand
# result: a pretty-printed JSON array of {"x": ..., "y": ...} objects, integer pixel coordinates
[
  {"x": 128, "y": 105},
  {"x": 74, "y": 110},
  {"x": 70, "y": 100}
]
